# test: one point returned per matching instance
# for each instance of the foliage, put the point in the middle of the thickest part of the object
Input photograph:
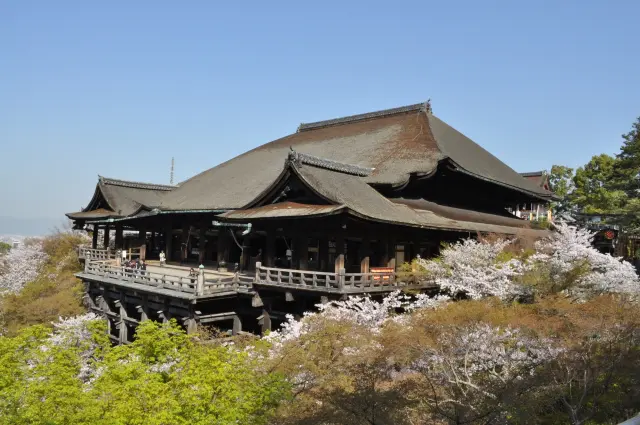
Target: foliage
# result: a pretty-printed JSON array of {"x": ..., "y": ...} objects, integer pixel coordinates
[
  {"x": 4, "y": 248},
  {"x": 561, "y": 184},
  {"x": 74, "y": 376},
  {"x": 41, "y": 275},
  {"x": 594, "y": 192}
]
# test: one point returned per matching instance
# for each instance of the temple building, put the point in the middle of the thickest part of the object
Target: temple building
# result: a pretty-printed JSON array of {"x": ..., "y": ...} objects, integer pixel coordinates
[{"x": 332, "y": 209}]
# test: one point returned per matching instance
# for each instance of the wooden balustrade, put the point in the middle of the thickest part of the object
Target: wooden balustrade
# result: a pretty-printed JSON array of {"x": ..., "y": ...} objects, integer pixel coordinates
[
  {"x": 206, "y": 283},
  {"x": 87, "y": 253}
]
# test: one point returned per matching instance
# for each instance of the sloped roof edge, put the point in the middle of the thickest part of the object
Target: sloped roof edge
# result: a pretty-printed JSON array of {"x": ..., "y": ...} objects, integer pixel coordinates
[
  {"x": 134, "y": 184},
  {"x": 362, "y": 117}
]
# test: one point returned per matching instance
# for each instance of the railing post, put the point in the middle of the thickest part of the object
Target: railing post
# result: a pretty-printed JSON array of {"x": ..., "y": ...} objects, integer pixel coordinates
[
  {"x": 200, "y": 283},
  {"x": 258, "y": 265},
  {"x": 341, "y": 279}
]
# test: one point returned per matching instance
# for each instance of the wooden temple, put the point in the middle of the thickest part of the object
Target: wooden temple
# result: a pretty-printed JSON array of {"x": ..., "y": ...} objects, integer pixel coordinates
[{"x": 328, "y": 211}]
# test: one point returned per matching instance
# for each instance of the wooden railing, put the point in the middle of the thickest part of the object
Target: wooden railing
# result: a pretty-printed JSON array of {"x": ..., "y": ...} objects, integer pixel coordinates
[
  {"x": 203, "y": 284},
  {"x": 87, "y": 253},
  {"x": 206, "y": 283},
  {"x": 333, "y": 282}
]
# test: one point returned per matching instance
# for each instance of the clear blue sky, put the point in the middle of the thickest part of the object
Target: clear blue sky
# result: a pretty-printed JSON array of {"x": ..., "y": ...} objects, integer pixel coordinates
[{"x": 120, "y": 87}]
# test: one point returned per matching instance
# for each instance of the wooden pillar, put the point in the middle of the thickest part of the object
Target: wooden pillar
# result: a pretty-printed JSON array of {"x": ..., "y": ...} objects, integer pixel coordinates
[
  {"x": 270, "y": 248},
  {"x": 94, "y": 237},
  {"x": 385, "y": 252},
  {"x": 184, "y": 238},
  {"x": 106, "y": 236},
  {"x": 202, "y": 236},
  {"x": 237, "y": 325},
  {"x": 365, "y": 254},
  {"x": 119, "y": 241},
  {"x": 323, "y": 253},
  {"x": 223, "y": 245},
  {"x": 303, "y": 250},
  {"x": 266, "y": 320},
  {"x": 168, "y": 241},
  {"x": 142, "y": 241},
  {"x": 123, "y": 335},
  {"x": 392, "y": 252},
  {"x": 339, "y": 263}
]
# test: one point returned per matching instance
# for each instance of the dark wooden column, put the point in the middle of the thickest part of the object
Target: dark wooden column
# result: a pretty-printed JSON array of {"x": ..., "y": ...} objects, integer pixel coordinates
[
  {"x": 119, "y": 240},
  {"x": 183, "y": 242},
  {"x": 201, "y": 242},
  {"x": 365, "y": 254},
  {"x": 244, "y": 253},
  {"x": 392, "y": 252},
  {"x": 106, "y": 236},
  {"x": 168, "y": 240},
  {"x": 323, "y": 253},
  {"x": 339, "y": 263},
  {"x": 270, "y": 247},
  {"x": 303, "y": 252},
  {"x": 142, "y": 241},
  {"x": 208, "y": 249},
  {"x": 223, "y": 245},
  {"x": 385, "y": 252},
  {"x": 94, "y": 237}
]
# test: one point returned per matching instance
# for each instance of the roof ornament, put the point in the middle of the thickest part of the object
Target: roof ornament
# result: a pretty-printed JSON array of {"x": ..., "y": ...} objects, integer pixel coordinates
[
  {"x": 294, "y": 157},
  {"x": 427, "y": 107}
]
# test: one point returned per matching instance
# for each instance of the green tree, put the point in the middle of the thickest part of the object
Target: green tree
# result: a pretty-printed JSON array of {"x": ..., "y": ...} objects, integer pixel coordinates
[
  {"x": 627, "y": 168},
  {"x": 163, "y": 378},
  {"x": 561, "y": 184},
  {"x": 595, "y": 191}
]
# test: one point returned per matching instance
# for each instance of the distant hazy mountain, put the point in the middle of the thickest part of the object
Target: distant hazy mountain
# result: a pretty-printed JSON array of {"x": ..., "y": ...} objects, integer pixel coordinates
[{"x": 29, "y": 226}]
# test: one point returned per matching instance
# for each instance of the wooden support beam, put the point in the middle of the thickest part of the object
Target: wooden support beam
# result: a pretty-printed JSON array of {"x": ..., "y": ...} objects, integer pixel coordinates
[
  {"x": 323, "y": 253},
  {"x": 237, "y": 325},
  {"x": 123, "y": 335},
  {"x": 94, "y": 237},
  {"x": 119, "y": 239},
  {"x": 224, "y": 239},
  {"x": 256, "y": 301},
  {"x": 162, "y": 316},
  {"x": 184, "y": 236},
  {"x": 303, "y": 251},
  {"x": 270, "y": 248},
  {"x": 105, "y": 242},
  {"x": 365, "y": 253},
  {"x": 265, "y": 321},
  {"x": 202, "y": 236},
  {"x": 168, "y": 241},
  {"x": 339, "y": 263}
]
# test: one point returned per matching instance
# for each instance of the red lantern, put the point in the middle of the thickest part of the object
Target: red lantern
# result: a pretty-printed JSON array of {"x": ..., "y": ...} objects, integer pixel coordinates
[{"x": 609, "y": 234}]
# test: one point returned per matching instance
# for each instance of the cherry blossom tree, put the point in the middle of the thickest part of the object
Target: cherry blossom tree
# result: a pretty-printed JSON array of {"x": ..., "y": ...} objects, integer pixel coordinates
[
  {"x": 474, "y": 269},
  {"x": 474, "y": 372},
  {"x": 568, "y": 253},
  {"x": 20, "y": 266}
]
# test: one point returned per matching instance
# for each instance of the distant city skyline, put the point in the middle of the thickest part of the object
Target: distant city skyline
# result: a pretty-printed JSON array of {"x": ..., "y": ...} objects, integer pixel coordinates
[{"x": 119, "y": 89}]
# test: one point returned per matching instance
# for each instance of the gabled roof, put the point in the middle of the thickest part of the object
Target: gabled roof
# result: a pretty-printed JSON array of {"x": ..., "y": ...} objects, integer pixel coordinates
[
  {"x": 350, "y": 193},
  {"x": 120, "y": 198},
  {"x": 540, "y": 178},
  {"x": 394, "y": 143}
]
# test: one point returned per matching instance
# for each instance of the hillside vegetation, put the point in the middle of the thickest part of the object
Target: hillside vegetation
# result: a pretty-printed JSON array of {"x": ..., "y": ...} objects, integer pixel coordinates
[
  {"x": 37, "y": 283},
  {"x": 522, "y": 333}
]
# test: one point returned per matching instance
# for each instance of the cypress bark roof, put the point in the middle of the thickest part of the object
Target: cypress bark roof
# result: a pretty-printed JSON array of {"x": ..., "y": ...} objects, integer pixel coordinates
[
  {"x": 394, "y": 143},
  {"x": 346, "y": 192}
]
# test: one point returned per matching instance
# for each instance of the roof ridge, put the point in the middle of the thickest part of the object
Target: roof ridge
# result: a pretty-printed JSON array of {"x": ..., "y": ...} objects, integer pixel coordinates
[
  {"x": 328, "y": 164},
  {"x": 533, "y": 173},
  {"x": 366, "y": 116},
  {"x": 134, "y": 184}
]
